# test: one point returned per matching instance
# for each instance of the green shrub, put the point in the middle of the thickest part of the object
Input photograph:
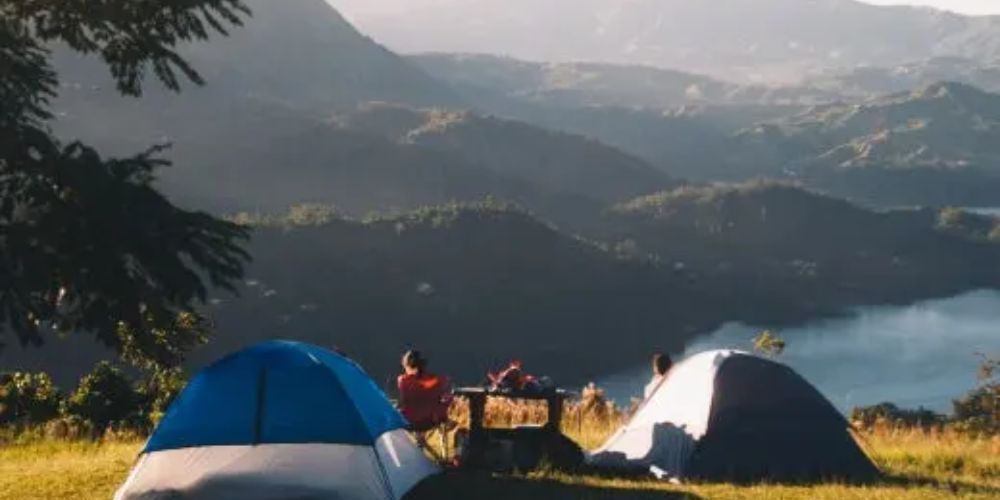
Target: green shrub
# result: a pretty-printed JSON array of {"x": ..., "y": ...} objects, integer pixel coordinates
[
  {"x": 27, "y": 398},
  {"x": 105, "y": 395},
  {"x": 978, "y": 412},
  {"x": 868, "y": 417},
  {"x": 158, "y": 391}
]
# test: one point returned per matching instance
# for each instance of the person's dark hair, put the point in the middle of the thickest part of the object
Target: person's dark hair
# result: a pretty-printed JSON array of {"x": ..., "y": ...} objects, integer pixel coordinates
[
  {"x": 662, "y": 363},
  {"x": 415, "y": 361}
]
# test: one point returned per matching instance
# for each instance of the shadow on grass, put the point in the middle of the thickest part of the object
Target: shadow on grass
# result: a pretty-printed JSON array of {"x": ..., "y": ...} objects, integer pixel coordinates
[
  {"x": 955, "y": 487},
  {"x": 482, "y": 486}
]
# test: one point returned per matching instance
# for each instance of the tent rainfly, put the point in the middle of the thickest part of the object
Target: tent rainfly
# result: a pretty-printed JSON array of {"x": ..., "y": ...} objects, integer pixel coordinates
[
  {"x": 732, "y": 416},
  {"x": 279, "y": 420}
]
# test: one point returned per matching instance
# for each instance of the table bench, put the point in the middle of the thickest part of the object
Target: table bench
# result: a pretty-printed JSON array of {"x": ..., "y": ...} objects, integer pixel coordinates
[{"x": 480, "y": 435}]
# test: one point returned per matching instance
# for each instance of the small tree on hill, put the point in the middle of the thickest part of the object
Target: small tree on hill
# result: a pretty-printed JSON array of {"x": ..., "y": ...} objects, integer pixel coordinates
[{"x": 769, "y": 344}]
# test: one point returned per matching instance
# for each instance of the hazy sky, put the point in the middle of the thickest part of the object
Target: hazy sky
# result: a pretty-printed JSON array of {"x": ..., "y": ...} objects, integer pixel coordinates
[{"x": 964, "y": 6}]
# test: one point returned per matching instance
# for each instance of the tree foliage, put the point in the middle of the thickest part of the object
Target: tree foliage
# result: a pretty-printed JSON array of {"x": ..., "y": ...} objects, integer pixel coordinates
[
  {"x": 104, "y": 396},
  {"x": 869, "y": 417},
  {"x": 979, "y": 410},
  {"x": 158, "y": 391},
  {"x": 131, "y": 36},
  {"x": 27, "y": 398},
  {"x": 86, "y": 242},
  {"x": 769, "y": 343},
  {"x": 163, "y": 347},
  {"x": 976, "y": 413}
]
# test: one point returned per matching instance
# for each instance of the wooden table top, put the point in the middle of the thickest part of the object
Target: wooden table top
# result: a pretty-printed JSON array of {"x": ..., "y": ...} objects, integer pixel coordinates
[{"x": 482, "y": 391}]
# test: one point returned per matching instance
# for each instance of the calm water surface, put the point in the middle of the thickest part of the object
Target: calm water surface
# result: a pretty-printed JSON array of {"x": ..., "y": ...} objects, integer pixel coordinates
[{"x": 918, "y": 355}]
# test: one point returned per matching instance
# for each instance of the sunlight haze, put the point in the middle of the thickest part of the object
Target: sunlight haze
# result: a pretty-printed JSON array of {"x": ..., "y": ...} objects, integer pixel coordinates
[
  {"x": 974, "y": 7},
  {"x": 354, "y": 7}
]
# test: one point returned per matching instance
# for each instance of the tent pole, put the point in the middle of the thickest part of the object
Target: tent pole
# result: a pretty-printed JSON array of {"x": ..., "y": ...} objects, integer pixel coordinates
[{"x": 259, "y": 416}]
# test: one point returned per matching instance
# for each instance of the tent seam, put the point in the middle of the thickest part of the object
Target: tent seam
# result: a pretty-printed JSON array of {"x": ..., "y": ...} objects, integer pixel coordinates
[
  {"x": 386, "y": 483},
  {"x": 354, "y": 404}
]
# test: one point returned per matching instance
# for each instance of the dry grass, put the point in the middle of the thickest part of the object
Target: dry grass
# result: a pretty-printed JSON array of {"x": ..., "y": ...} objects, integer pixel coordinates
[
  {"x": 919, "y": 465},
  {"x": 936, "y": 455},
  {"x": 64, "y": 470}
]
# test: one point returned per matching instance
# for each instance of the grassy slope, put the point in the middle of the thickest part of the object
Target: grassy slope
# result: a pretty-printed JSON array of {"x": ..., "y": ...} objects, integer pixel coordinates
[
  {"x": 919, "y": 467},
  {"x": 54, "y": 470}
]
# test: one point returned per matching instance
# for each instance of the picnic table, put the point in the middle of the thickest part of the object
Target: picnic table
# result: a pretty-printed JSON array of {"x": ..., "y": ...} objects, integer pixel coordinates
[{"x": 480, "y": 435}]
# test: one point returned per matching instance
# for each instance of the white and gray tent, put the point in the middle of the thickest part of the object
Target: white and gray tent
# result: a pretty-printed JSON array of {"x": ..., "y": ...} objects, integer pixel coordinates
[{"x": 728, "y": 415}]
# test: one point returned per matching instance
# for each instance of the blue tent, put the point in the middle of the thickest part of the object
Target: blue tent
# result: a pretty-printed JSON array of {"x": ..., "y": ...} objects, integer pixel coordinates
[
  {"x": 282, "y": 403},
  {"x": 277, "y": 392}
]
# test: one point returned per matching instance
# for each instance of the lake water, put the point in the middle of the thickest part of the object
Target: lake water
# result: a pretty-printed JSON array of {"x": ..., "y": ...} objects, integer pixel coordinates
[
  {"x": 995, "y": 212},
  {"x": 918, "y": 355}
]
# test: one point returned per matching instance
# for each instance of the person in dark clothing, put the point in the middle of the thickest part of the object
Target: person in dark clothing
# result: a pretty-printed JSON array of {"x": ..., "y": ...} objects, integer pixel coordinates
[{"x": 661, "y": 366}]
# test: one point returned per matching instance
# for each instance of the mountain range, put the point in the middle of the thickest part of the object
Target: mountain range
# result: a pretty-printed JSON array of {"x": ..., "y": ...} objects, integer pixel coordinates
[
  {"x": 560, "y": 162},
  {"x": 475, "y": 285},
  {"x": 873, "y": 81},
  {"x": 936, "y": 145},
  {"x": 744, "y": 40},
  {"x": 603, "y": 234},
  {"x": 271, "y": 130},
  {"x": 275, "y": 123},
  {"x": 568, "y": 84}
]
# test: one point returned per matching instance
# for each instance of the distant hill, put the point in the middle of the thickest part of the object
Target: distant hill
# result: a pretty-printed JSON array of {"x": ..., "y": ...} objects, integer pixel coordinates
[
  {"x": 246, "y": 154},
  {"x": 936, "y": 145},
  {"x": 558, "y": 162},
  {"x": 652, "y": 117},
  {"x": 566, "y": 84},
  {"x": 261, "y": 136},
  {"x": 475, "y": 285},
  {"x": 241, "y": 142},
  {"x": 805, "y": 251},
  {"x": 745, "y": 40},
  {"x": 874, "y": 81},
  {"x": 301, "y": 54},
  {"x": 235, "y": 155}
]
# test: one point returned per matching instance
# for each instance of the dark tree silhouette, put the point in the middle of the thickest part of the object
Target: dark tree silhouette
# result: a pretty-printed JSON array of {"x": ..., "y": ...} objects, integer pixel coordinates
[{"x": 86, "y": 243}]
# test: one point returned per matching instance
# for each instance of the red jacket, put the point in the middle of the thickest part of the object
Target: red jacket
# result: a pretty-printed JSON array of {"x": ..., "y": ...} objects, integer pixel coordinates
[{"x": 424, "y": 400}]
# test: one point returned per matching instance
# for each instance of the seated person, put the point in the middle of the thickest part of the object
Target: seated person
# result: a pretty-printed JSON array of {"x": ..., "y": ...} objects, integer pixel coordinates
[
  {"x": 661, "y": 366},
  {"x": 511, "y": 378},
  {"x": 424, "y": 398}
]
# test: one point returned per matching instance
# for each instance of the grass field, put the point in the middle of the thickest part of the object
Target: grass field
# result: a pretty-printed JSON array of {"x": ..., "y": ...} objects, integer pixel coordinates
[{"x": 917, "y": 466}]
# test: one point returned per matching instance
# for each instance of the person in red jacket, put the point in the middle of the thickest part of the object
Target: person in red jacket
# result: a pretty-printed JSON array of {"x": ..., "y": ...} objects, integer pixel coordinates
[{"x": 424, "y": 398}]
